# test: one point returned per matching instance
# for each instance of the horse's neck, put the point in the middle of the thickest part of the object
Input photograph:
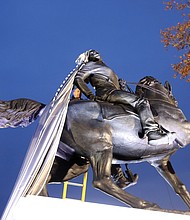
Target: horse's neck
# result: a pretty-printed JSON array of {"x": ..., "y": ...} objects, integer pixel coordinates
[{"x": 172, "y": 118}]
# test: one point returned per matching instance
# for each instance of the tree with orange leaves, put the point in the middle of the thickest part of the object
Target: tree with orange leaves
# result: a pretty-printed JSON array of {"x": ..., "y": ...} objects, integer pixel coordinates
[{"x": 179, "y": 37}]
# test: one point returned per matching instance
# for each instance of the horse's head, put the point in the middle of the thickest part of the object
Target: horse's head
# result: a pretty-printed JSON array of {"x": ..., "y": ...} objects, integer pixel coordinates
[{"x": 152, "y": 89}]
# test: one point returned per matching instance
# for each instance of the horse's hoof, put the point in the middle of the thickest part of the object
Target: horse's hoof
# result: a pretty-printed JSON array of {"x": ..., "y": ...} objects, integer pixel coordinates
[
  {"x": 123, "y": 182},
  {"x": 151, "y": 206}
]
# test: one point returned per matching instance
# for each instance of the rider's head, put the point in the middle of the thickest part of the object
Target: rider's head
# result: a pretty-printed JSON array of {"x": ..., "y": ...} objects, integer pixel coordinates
[
  {"x": 94, "y": 55},
  {"x": 89, "y": 55}
]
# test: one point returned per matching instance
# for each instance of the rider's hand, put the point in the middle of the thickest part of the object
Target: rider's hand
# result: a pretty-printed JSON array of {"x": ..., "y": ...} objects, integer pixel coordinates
[{"x": 92, "y": 97}]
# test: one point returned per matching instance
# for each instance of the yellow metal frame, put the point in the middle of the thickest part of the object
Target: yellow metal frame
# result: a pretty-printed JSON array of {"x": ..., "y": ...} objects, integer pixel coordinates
[{"x": 83, "y": 185}]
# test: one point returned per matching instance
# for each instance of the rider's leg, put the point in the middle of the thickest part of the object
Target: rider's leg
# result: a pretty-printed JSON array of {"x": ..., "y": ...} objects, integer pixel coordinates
[{"x": 156, "y": 136}]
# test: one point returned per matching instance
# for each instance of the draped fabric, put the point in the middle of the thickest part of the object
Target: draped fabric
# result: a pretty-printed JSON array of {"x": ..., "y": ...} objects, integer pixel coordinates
[
  {"x": 19, "y": 112},
  {"x": 44, "y": 144}
]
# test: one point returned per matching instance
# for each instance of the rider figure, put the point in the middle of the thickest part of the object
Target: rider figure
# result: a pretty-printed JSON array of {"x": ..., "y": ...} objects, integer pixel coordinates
[{"x": 105, "y": 82}]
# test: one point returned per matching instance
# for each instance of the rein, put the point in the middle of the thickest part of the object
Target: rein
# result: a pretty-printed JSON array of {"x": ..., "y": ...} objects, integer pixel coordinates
[{"x": 149, "y": 88}]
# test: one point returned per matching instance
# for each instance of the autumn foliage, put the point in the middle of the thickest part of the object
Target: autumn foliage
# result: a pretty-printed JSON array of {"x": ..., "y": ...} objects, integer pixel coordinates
[{"x": 179, "y": 37}]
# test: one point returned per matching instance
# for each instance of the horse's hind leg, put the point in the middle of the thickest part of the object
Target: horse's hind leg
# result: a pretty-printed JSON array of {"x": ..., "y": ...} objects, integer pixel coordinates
[
  {"x": 58, "y": 172},
  {"x": 79, "y": 167},
  {"x": 63, "y": 170},
  {"x": 101, "y": 165}
]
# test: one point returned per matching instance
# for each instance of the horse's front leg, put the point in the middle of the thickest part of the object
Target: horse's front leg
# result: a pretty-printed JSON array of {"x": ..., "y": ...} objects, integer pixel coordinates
[
  {"x": 166, "y": 170},
  {"x": 101, "y": 165}
]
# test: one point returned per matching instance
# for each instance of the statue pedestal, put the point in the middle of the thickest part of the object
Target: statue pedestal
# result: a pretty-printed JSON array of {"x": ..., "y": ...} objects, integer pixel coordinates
[{"x": 36, "y": 207}]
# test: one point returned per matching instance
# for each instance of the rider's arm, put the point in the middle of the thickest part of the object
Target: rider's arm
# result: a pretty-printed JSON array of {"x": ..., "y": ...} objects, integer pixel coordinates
[{"x": 80, "y": 81}]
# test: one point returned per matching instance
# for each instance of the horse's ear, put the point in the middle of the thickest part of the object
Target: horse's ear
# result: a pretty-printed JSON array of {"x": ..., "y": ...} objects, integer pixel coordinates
[{"x": 168, "y": 86}]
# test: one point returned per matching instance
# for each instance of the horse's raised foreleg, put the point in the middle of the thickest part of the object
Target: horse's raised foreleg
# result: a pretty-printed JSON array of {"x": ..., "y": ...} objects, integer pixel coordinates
[
  {"x": 166, "y": 170},
  {"x": 101, "y": 165}
]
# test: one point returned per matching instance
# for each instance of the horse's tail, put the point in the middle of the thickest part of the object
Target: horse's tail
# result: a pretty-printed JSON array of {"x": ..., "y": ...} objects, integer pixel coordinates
[{"x": 19, "y": 112}]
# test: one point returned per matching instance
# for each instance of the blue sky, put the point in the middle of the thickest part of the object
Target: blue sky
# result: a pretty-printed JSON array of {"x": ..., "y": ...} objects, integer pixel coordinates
[{"x": 39, "y": 43}]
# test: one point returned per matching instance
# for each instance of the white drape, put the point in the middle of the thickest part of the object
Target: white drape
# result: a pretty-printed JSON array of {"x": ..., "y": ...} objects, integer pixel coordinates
[{"x": 41, "y": 152}]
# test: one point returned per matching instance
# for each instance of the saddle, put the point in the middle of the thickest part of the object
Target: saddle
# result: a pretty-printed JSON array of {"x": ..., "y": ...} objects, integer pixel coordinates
[{"x": 112, "y": 110}]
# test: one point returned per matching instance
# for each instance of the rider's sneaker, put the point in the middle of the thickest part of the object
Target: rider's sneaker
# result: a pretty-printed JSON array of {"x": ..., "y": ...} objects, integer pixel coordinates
[{"x": 159, "y": 137}]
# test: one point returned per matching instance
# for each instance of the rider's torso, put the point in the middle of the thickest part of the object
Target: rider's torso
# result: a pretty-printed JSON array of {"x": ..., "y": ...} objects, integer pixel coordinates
[{"x": 101, "y": 77}]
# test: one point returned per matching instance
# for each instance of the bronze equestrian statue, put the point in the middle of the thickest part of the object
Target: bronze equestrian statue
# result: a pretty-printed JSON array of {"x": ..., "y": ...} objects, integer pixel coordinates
[
  {"x": 99, "y": 133},
  {"x": 107, "y": 87},
  {"x": 96, "y": 133}
]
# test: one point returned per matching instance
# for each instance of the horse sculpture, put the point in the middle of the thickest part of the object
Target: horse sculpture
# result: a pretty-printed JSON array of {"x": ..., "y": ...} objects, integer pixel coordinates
[
  {"x": 99, "y": 134},
  {"x": 104, "y": 133}
]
